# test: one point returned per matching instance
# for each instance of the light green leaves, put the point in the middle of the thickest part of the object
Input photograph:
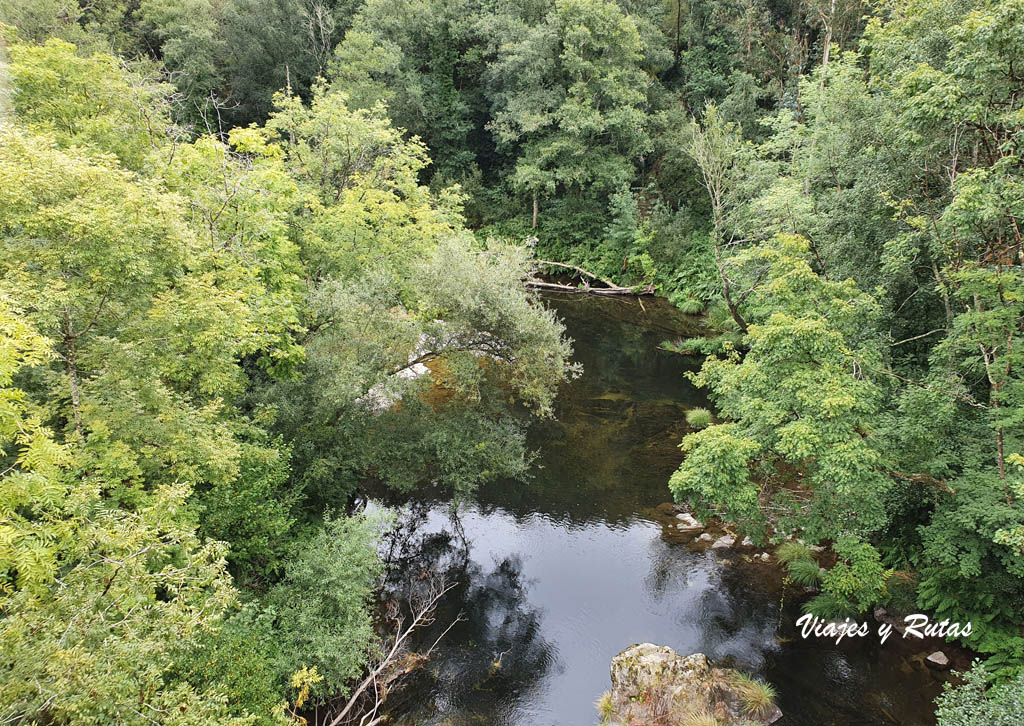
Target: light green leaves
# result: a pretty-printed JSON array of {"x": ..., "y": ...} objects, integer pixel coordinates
[{"x": 801, "y": 402}]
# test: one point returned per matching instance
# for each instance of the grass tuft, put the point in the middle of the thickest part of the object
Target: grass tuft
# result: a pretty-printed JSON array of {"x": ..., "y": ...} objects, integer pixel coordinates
[
  {"x": 805, "y": 572},
  {"x": 701, "y": 718},
  {"x": 604, "y": 705},
  {"x": 791, "y": 551},
  {"x": 698, "y": 418},
  {"x": 757, "y": 696}
]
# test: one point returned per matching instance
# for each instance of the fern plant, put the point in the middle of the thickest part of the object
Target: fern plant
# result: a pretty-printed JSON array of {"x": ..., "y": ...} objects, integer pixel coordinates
[
  {"x": 791, "y": 551},
  {"x": 805, "y": 572}
]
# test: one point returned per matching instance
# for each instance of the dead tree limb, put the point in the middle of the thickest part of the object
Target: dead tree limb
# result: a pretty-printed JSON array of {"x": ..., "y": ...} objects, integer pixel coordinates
[
  {"x": 541, "y": 285},
  {"x": 580, "y": 270},
  {"x": 422, "y": 615},
  {"x": 610, "y": 288}
]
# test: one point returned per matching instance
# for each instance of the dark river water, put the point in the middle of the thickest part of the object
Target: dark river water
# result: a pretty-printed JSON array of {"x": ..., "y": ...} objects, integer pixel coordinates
[{"x": 560, "y": 573}]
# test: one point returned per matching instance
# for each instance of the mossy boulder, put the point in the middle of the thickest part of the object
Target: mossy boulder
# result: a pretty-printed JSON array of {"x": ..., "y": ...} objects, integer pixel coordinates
[{"x": 652, "y": 684}]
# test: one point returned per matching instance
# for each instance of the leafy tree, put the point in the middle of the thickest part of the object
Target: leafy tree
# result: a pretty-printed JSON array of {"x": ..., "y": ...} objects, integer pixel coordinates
[
  {"x": 32, "y": 462},
  {"x": 93, "y": 644},
  {"x": 243, "y": 656},
  {"x": 461, "y": 312},
  {"x": 795, "y": 450},
  {"x": 421, "y": 57},
  {"x": 189, "y": 36},
  {"x": 571, "y": 95},
  {"x": 321, "y": 605},
  {"x": 717, "y": 148},
  {"x": 367, "y": 201},
  {"x": 92, "y": 102}
]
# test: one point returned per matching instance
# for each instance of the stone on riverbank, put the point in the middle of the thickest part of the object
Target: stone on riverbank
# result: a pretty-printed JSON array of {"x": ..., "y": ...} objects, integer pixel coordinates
[
  {"x": 723, "y": 542},
  {"x": 938, "y": 660},
  {"x": 652, "y": 683},
  {"x": 688, "y": 521}
]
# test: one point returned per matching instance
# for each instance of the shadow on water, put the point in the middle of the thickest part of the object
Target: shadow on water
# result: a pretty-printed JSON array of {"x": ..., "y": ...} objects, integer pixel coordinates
[{"x": 558, "y": 574}]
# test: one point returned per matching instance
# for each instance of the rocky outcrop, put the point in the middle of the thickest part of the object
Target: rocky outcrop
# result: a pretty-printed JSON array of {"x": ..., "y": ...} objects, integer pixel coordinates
[{"x": 653, "y": 684}]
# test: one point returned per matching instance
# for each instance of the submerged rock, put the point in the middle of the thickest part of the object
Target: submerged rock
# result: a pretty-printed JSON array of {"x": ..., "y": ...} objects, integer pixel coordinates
[
  {"x": 883, "y": 616},
  {"x": 654, "y": 684}
]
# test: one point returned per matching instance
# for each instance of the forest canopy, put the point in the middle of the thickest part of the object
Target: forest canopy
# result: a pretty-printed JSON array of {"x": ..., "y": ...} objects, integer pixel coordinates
[{"x": 259, "y": 253}]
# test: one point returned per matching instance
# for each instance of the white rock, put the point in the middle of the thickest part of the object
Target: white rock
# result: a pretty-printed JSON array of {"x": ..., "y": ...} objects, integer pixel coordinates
[
  {"x": 938, "y": 660},
  {"x": 747, "y": 542},
  {"x": 688, "y": 521},
  {"x": 723, "y": 542},
  {"x": 705, "y": 537}
]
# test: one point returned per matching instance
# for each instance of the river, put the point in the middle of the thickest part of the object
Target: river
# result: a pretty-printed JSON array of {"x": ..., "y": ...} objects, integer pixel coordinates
[{"x": 558, "y": 574}]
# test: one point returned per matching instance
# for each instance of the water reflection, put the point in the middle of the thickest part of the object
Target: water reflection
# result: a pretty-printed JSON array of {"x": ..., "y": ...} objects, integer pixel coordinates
[
  {"x": 558, "y": 574},
  {"x": 487, "y": 665}
]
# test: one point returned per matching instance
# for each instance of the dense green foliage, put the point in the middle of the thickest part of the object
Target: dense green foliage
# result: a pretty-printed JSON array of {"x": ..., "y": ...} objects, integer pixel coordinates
[
  {"x": 868, "y": 375},
  {"x": 975, "y": 705},
  {"x": 250, "y": 264},
  {"x": 203, "y": 348},
  {"x": 564, "y": 117}
]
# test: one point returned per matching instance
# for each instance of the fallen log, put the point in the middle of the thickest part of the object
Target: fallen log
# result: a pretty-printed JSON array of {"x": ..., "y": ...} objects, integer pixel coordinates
[
  {"x": 616, "y": 290},
  {"x": 580, "y": 270},
  {"x": 610, "y": 288}
]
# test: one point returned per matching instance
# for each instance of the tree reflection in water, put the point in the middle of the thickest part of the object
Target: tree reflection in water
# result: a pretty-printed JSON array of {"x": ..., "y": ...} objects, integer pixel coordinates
[{"x": 494, "y": 652}]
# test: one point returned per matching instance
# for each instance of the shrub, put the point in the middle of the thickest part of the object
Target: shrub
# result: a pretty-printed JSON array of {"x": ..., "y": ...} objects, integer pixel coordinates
[{"x": 975, "y": 704}]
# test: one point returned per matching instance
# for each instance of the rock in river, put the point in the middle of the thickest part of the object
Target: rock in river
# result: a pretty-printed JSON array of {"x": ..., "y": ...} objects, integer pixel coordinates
[
  {"x": 654, "y": 682},
  {"x": 688, "y": 521},
  {"x": 938, "y": 660}
]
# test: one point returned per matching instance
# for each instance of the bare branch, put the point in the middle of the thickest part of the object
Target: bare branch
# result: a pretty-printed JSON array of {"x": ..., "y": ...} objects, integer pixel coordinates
[{"x": 422, "y": 615}]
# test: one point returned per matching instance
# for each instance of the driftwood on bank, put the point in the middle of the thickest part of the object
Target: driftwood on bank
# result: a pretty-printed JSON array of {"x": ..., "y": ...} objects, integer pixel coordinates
[{"x": 591, "y": 283}]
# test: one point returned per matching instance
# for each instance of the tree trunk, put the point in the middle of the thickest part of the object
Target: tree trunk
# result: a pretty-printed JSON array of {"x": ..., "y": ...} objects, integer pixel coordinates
[
  {"x": 610, "y": 288},
  {"x": 535, "y": 210},
  {"x": 726, "y": 288},
  {"x": 733, "y": 311},
  {"x": 1002, "y": 458}
]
